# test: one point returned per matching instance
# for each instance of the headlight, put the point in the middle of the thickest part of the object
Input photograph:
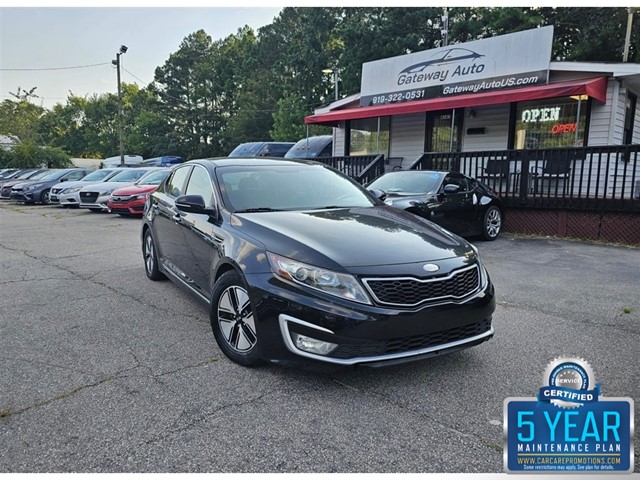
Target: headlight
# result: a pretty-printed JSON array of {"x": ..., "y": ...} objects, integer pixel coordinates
[
  {"x": 337, "y": 284},
  {"x": 32, "y": 187},
  {"x": 142, "y": 196},
  {"x": 101, "y": 194},
  {"x": 71, "y": 190}
]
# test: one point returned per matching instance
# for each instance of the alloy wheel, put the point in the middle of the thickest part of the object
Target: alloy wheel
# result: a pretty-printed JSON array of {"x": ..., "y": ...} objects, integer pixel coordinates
[
  {"x": 149, "y": 254},
  {"x": 494, "y": 222},
  {"x": 235, "y": 319}
]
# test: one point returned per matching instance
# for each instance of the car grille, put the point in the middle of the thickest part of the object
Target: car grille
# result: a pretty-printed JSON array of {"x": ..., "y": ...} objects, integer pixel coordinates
[
  {"x": 88, "y": 197},
  {"x": 5, "y": 192},
  {"x": 416, "y": 342},
  {"x": 121, "y": 199},
  {"x": 409, "y": 292}
]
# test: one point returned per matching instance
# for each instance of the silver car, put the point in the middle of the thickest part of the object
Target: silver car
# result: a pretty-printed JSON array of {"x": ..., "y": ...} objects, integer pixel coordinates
[
  {"x": 94, "y": 197},
  {"x": 67, "y": 193}
]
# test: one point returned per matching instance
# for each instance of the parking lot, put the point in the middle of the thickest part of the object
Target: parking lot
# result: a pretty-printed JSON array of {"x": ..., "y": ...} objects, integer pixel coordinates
[{"x": 105, "y": 371}]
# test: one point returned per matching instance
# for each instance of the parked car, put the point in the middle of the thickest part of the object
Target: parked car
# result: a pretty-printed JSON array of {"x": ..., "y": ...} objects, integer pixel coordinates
[
  {"x": 459, "y": 203},
  {"x": 38, "y": 190},
  {"x": 312, "y": 147},
  {"x": 95, "y": 197},
  {"x": 130, "y": 200},
  {"x": 8, "y": 173},
  {"x": 28, "y": 175},
  {"x": 164, "y": 161},
  {"x": 67, "y": 193},
  {"x": 130, "y": 161},
  {"x": 261, "y": 149},
  {"x": 299, "y": 263}
]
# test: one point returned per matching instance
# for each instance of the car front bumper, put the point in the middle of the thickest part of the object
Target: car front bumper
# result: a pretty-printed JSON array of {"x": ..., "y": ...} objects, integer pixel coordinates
[
  {"x": 99, "y": 204},
  {"x": 69, "y": 199},
  {"x": 132, "y": 207},
  {"x": 26, "y": 197},
  {"x": 365, "y": 334}
]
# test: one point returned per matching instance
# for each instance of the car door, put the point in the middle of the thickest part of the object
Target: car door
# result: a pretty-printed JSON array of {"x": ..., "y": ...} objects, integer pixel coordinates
[
  {"x": 455, "y": 211},
  {"x": 168, "y": 234},
  {"x": 203, "y": 242}
]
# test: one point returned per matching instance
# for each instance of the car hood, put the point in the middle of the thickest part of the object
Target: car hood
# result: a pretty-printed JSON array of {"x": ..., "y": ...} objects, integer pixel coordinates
[
  {"x": 352, "y": 237},
  {"x": 105, "y": 186},
  {"x": 134, "y": 189},
  {"x": 75, "y": 183}
]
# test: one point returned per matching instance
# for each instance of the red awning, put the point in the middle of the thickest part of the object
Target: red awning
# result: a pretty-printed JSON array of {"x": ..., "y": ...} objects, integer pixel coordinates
[{"x": 593, "y": 87}]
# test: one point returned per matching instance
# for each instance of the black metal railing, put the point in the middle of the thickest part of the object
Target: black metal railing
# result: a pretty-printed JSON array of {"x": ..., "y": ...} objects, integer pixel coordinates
[
  {"x": 362, "y": 168},
  {"x": 592, "y": 178}
]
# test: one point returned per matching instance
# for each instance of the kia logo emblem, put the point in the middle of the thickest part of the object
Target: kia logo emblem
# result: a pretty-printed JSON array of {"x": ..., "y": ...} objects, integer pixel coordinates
[{"x": 430, "y": 267}]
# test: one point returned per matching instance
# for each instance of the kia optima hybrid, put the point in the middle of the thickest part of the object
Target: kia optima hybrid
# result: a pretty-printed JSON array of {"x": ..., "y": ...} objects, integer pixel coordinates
[{"x": 300, "y": 265}]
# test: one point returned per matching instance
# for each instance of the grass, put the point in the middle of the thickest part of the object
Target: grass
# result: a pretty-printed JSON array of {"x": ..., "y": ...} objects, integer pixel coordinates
[{"x": 627, "y": 309}]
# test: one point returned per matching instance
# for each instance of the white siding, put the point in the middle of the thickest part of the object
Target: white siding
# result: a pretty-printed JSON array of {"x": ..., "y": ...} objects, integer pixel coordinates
[
  {"x": 636, "y": 123},
  {"x": 407, "y": 137},
  {"x": 600, "y": 124},
  {"x": 338, "y": 141},
  {"x": 495, "y": 120},
  {"x": 617, "y": 118}
]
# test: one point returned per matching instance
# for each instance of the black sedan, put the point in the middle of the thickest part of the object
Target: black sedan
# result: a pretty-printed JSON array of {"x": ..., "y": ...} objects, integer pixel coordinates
[
  {"x": 301, "y": 265},
  {"x": 454, "y": 201}
]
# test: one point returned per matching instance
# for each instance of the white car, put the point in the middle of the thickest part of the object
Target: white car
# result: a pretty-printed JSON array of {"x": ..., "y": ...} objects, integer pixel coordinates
[
  {"x": 67, "y": 193},
  {"x": 94, "y": 197}
]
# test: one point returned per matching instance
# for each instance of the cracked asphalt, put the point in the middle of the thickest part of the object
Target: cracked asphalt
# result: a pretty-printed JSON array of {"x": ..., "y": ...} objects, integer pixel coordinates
[{"x": 105, "y": 371}]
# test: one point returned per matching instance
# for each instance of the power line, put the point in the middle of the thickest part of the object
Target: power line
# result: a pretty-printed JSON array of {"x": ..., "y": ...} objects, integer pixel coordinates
[
  {"x": 137, "y": 78},
  {"x": 52, "y": 68}
]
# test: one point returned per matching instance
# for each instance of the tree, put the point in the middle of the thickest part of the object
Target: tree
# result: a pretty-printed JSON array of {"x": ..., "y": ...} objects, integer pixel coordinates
[{"x": 20, "y": 118}]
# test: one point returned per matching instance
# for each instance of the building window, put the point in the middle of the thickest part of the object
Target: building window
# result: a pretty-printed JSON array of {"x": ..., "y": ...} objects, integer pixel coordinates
[
  {"x": 629, "y": 115},
  {"x": 553, "y": 123},
  {"x": 444, "y": 131},
  {"x": 369, "y": 136}
]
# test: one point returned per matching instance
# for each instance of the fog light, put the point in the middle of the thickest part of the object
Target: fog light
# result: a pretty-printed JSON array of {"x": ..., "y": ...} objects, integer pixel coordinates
[{"x": 312, "y": 345}]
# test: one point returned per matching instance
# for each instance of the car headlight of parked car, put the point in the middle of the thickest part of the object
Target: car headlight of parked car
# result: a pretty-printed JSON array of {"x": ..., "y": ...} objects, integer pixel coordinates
[
  {"x": 337, "y": 284},
  {"x": 142, "y": 196},
  {"x": 71, "y": 190},
  {"x": 33, "y": 187}
]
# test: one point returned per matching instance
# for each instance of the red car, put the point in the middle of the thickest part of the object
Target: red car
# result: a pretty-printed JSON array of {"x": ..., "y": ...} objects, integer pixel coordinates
[{"x": 130, "y": 200}]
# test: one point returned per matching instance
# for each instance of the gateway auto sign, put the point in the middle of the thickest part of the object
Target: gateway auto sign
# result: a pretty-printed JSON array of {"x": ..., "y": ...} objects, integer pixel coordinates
[{"x": 508, "y": 61}]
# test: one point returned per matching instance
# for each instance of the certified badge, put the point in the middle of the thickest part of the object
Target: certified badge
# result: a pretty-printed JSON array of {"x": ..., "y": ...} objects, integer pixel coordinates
[{"x": 569, "y": 426}]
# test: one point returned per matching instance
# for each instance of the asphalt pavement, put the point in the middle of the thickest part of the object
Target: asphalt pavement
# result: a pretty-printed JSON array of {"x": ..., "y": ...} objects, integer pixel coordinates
[{"x": 105, "y": 371}]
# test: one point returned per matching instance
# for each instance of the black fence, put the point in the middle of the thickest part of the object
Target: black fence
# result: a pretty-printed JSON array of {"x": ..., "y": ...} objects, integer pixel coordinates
[
  {"x": 588, "y": 178},
  {"x": 362, "y": 168}
]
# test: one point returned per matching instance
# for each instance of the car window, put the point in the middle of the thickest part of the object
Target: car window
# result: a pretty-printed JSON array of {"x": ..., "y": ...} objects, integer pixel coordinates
[
  {"x": 75, "y": 175},
  {"x": 200, "y": 184},
  {"x": 175, "y": 184},
  {"x": 97, "y": 175},
  {"x": 408, "y": 181},
  {"x": 129, "y": 175},
  {"x": 457, "y": 179}
]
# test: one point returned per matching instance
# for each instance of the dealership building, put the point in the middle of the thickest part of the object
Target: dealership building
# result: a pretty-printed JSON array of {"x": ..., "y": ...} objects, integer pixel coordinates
[{"x": 500, "y": 93}]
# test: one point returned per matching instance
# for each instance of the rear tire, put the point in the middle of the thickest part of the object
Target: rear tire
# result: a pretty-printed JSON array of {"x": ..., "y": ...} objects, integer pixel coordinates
[
  {"x": 492, "y": 223},
  {"x": 150, "y": 257},
  {"x": 233, "y": 321}
]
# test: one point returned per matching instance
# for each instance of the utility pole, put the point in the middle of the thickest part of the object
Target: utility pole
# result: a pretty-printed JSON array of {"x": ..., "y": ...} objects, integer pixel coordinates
[
  {"x": 116, "y": 62},
  {"x": 445, "y": 27},
  {"x": 627, "y": 40}
]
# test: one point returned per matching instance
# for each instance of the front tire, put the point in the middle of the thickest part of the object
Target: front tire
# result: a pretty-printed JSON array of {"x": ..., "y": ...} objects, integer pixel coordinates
[
  {"x": 233, "y": 321},
  {"x": 492, "y": 223},
  {"x": 44, "y": 198},
  {"x": 150, "y": 256}
]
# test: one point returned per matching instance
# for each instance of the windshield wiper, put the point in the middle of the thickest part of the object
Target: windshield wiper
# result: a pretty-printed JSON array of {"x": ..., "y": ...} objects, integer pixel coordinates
[{"x": 259, "y": 209}]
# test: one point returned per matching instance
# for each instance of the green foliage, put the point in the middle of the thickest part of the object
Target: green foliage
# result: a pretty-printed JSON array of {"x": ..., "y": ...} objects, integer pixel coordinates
[
  {"x": 209, "y": 95},
  {"x": 29, "y": 155}
]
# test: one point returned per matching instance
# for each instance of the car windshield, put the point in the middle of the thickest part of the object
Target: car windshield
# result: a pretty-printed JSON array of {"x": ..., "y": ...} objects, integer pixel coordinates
[
  {"x": 97, "y": 175},
  {"x": 247, "y": 149},
  {"x": 153, "y": 177},
  {"x": 128, "y": 175},
  {"x": 53, "y": 175},
  {"x": 288, "y": 187},
  {"x": 25, "y": 175},
  {"x": 40, "y": 175},
  {"x": 408, "y": 182}
]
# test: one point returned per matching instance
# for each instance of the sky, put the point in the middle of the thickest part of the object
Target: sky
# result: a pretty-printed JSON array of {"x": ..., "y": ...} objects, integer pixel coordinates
[{"x": 46, "y": 38}]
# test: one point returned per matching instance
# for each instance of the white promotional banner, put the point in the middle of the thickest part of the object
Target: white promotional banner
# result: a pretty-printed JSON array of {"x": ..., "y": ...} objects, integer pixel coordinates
[{"x": 507, "y": 61}]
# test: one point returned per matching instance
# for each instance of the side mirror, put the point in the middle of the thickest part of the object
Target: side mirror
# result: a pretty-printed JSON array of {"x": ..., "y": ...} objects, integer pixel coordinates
[
  {"x": 451, "y": 188},
  {"x": 194, "y": 204},
  {"x": 64, "y": 179},
  {"x": 379, "y": 194}
]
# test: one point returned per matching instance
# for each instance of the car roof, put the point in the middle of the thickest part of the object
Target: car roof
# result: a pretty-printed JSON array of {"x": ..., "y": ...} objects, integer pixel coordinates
[{"x": 254, "y": 161}]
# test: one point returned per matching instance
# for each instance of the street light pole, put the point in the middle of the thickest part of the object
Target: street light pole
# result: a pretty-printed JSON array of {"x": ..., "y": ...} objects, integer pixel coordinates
[
  {"x": 116, "y": 62},
  {"x": 334, "y": 69}
]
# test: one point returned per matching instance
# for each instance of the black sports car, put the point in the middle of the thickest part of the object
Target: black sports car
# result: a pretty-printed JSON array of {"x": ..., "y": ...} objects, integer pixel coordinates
[
  {"x": 454, "y": 201},
  {"x": 300, "y": 264}
]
